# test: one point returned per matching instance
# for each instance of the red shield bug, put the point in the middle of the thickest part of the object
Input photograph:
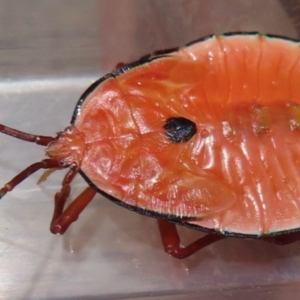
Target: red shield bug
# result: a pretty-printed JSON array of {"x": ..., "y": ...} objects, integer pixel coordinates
[{"x": 205, "y": 136}]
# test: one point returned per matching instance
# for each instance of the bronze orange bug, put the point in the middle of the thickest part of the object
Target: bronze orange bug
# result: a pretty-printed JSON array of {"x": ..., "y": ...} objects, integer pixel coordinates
[{"x": 205, "y": 136}]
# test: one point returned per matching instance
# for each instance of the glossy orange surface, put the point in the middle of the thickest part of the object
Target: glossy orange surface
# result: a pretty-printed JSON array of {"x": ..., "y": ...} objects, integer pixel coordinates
[{"x": 240, "y": 172}]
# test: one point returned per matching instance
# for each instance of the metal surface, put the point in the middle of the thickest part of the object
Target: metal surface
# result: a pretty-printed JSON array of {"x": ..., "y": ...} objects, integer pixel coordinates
[{"x": 50, "y": 51}]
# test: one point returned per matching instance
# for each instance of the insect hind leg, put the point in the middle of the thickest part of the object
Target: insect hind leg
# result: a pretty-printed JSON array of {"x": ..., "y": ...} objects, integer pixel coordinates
[{"x": 171, "y": 241}]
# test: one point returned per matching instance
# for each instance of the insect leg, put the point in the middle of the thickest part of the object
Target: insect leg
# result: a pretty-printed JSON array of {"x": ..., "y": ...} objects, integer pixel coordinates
[
  {"x": 63, "y": 219},
  {"x": 284, "y": 239},
  {"x": 119, "y": 65},
  {"x": 171, "y": 241},
  {"x": 62, "y": 196},
  {"x": 44, "y": 164}
]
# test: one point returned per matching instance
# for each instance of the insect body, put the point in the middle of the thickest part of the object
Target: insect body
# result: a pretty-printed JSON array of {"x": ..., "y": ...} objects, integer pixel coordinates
[{"x": 205, "y": 136}]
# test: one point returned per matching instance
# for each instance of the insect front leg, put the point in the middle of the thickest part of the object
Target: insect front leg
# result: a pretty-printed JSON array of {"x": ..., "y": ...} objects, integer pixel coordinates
[
  {"x": 44, "y": 164},
  {"x": 171, "y": 240},
  {"x": 62, "y": 219},
  {"x": 62, "y": 196}
]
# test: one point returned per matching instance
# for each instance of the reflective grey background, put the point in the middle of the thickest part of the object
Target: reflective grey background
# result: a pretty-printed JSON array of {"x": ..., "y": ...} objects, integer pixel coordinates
[{"x": 50, "y": 52}]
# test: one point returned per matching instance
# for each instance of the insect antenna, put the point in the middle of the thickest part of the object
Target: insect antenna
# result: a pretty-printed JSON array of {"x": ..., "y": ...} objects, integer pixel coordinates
[{"x": 38, "y": 139}]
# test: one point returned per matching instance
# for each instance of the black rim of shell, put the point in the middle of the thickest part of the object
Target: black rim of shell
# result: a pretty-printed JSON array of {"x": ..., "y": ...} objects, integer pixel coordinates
[{"x": 160, "y": 54}]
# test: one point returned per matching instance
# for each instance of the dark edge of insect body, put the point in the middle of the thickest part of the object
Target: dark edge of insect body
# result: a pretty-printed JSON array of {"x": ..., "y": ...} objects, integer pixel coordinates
[
  {"x": 245, "y": 33},
  {"x": 83, "y": 97},
  {"x": 142, "y": 211},
  {"x": 124, "y": 69},
  {"x": 144, "y": 60},
  {"x": 178, "y": 220},
  {"x": 226, "y": 34},
  {"x": 162, "y": 54},
  {"x": 275, "y": 36}
]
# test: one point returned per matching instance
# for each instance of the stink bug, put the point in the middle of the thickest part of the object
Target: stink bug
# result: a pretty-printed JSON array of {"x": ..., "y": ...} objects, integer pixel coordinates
[{"x": 205, "y": 136}]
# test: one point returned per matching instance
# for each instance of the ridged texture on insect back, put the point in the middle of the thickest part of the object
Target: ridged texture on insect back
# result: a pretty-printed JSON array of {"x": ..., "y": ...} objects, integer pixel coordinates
[{"x": 240, "y": 172}]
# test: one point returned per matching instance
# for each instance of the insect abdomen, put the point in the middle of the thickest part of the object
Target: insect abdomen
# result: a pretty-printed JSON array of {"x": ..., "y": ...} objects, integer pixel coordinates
[
  {"x": 238, "y": 171},
  {"x": 258, "y": 150}
]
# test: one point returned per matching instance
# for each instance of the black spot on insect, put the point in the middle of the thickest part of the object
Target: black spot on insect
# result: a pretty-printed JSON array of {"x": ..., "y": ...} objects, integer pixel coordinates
[{"x": 180, "y": 129}]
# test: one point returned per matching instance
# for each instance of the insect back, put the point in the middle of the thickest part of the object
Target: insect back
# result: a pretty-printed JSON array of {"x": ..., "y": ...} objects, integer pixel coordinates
[
  {"x": 205, "y": 136},
  {"x": 142, "y": 137}
]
